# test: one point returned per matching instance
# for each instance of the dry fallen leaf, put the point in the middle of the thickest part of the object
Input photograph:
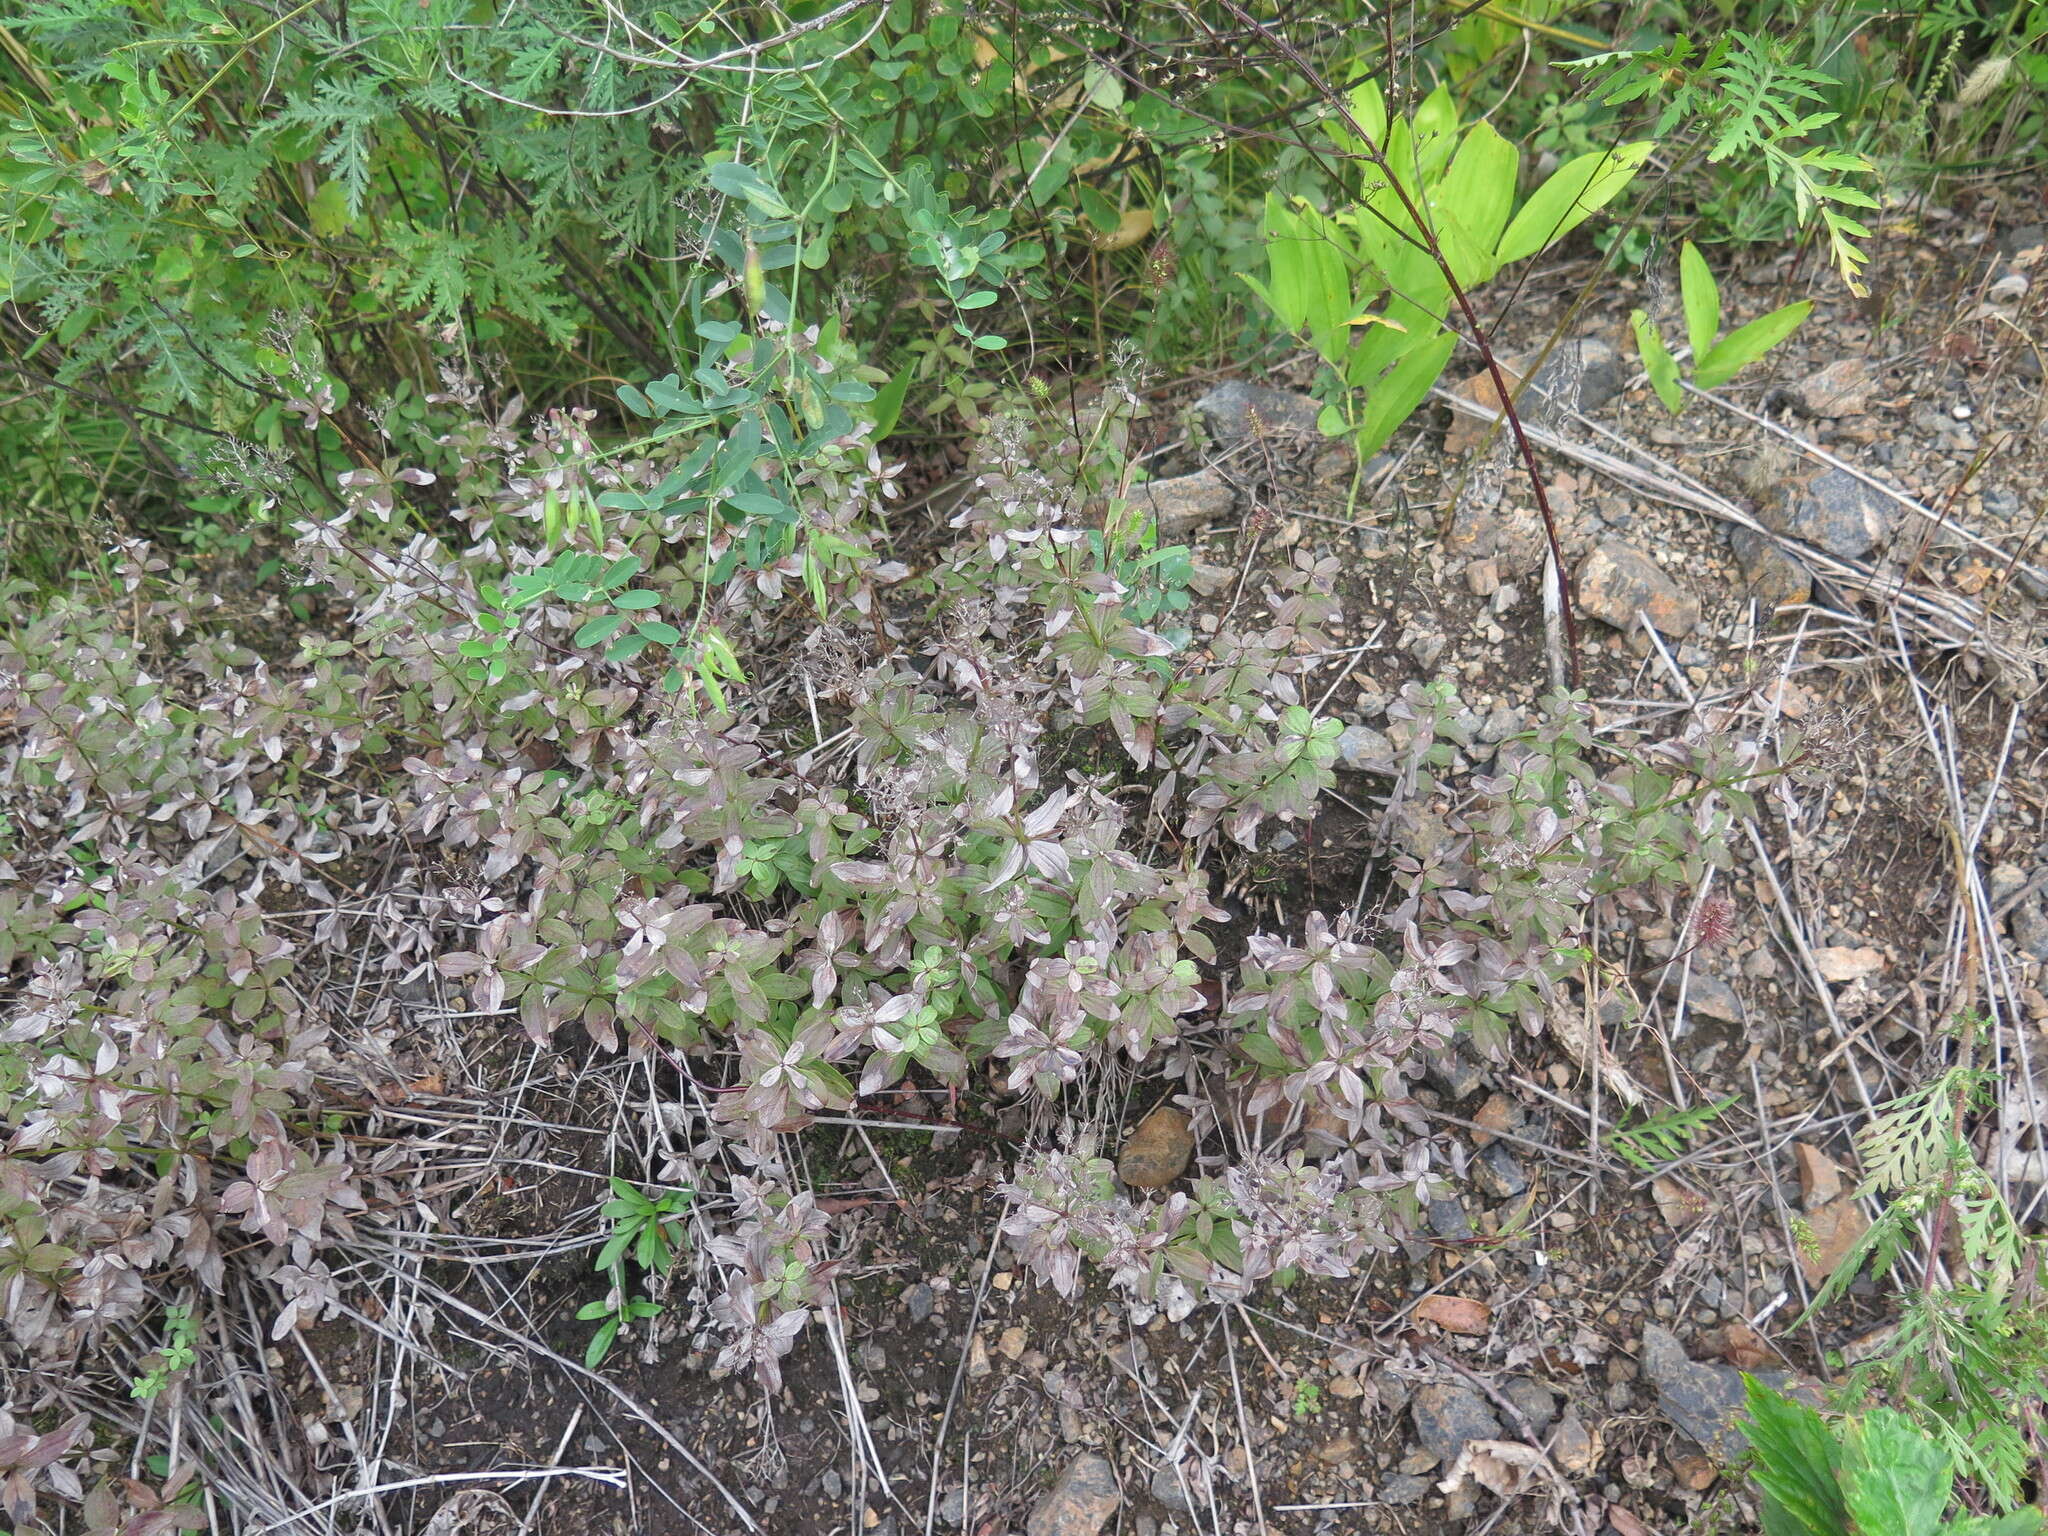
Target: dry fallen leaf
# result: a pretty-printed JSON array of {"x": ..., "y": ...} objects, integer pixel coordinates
[
  {"x": 1455, "y": 1314},
  {"x": 1624, "y": 1523},
  {"x": 1582, "y": 1041},
  {"x": 1508, "y": 1468}
]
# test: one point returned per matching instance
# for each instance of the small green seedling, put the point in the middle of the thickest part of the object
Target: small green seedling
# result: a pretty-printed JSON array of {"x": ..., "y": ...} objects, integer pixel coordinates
[
  {"x": 648, "y": 1230},
  {"x": 1715, "y": 358},
  {"x": 181, "y": 1332},
  {"x": 1664, "y": 1138}
]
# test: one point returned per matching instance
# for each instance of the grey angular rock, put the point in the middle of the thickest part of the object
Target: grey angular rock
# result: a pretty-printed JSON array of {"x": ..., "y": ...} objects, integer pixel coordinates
[
  {"x": 1826, "y": 507},
  {"x": 1709, "y": 996},
  {"x": 1535, "y": 1401},
  {"x": 1284, "y": 423},
  {"x": 1402, "y": 1489},
  {"x": 1454, "y": 1073},
  {"x": 1580, "y": 375},
  {"x": 1080, "y": 1503},
  {"x": 1770, "y": 575},
  {"x": 1366, "y": 750},
  {"x": 1497, "y": 1172},
  {"x": 1235, "y": 409},
  {"x": 2029, "y": 925},
  {"x": 1167, "y": 1488},
  {"x": 953, "y": 1507},
  {"x": 1186, "y": 501},
  {"x": 1705, "y": 1400},
  {"x": 1448, "y": 1221},
  {"x": 1447, "y": 1417},
  {"x": 1617, "y": 581},
  {"x": 917, "y": 1301}
]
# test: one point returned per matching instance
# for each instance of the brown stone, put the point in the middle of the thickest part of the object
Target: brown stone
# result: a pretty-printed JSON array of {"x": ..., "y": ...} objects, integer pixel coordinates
[
  {"x": 1843, "y": 388},
  {"x": 1080, "y": 1503},
  {"x": 1744, "y": 1348},
  {"x": 1836, "y": 1227},
  {"x": 1820, "y": 1176},
  {"x": 1158, "y": 1150},
  {"x": 1617, "y": 581}
]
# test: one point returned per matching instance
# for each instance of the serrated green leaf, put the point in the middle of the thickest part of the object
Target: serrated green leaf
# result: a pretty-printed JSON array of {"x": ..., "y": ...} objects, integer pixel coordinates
[
  {"x": 1896, "y": 1481},
  {"x": 1739, "y": 348},
  {"x": 1796, "y": 1460}
]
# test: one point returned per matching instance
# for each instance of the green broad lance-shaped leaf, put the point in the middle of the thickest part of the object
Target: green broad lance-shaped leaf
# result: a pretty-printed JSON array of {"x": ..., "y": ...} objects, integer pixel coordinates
[
  {"x": 600, "y": 1344},
  {"x": 1896, "y": 1481},
  {"x": 1478, "y": 192},
  {"x": 1394, "y": 398},
  {"x": 889, "y": 403},
  {"x": 637, "y": 602},
  {"x": 1702, "y": 302},
  {"x": 1308, "y": 288},
  {"x": 615, "y": 1249},
  {"x": 1658, "y": 362},
  {"x": 1797, "y": 1462},
  {"x": 621, "y": 571},
  {"x": 658, "y": 632},
  {"x": 1739, "y": 348},
  {"x": 1575, "y": 191},
  {"x": 1435, "y": 137},
  {"x": 1369, "y": 109}
]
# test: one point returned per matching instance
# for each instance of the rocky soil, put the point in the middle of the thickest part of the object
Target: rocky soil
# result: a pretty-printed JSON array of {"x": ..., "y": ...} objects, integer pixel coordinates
[{"x": 1562, "y": 1346}]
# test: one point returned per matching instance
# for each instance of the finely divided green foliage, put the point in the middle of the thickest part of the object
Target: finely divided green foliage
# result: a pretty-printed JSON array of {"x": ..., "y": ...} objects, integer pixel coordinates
[
  {"x": 1967, "y": 1361},
  {"x": 1372, "y": 290},
  {"x": 229, "y": 231},
  {"x": 1747, "y": 109}
]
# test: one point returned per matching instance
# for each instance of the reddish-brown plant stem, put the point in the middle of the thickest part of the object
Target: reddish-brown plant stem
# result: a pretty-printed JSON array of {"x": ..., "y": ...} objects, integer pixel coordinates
[{"x": 1377, "y": 156}]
